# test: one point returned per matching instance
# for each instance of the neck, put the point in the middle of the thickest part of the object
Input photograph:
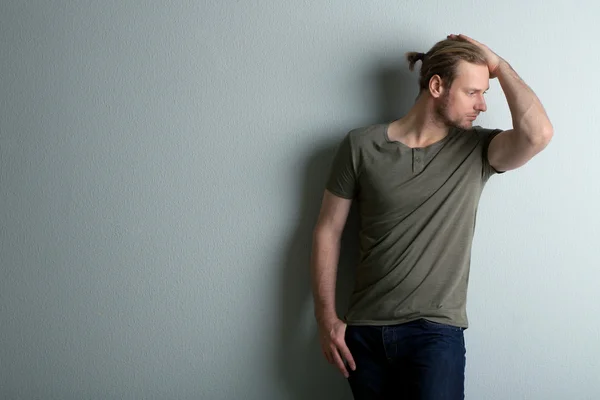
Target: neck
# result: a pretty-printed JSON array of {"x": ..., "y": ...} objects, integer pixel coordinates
[{"x": 421, "y": 126}]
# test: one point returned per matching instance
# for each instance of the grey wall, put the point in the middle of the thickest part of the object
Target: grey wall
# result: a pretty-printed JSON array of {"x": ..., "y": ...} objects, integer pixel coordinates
[{"x": 162, "y": 165}]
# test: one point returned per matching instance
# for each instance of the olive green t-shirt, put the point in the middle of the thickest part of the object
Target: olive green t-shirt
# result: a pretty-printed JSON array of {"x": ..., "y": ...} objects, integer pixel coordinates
[{"x": 417, "y": 210}]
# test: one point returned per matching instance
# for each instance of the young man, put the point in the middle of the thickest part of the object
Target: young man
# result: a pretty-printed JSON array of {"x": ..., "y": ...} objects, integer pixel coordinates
[{"x": 417, "y": 182}]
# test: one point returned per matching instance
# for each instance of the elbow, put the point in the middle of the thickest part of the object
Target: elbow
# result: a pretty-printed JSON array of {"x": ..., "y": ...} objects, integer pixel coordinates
[
  {"x": 541, "y": 138},
  {"x": 548, "y": 133}
]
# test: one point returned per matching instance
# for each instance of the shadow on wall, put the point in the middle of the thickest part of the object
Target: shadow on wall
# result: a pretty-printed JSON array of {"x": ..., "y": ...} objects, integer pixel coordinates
[{"x": 303, "y": 368}]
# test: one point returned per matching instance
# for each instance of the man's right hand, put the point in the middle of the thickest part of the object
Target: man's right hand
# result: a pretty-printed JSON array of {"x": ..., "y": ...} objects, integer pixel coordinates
[{"x": 333, "y": 344}]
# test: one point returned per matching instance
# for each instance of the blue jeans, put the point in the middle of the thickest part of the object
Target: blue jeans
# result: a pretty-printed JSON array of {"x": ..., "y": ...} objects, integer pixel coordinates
[{"x": 418, "y": 360}]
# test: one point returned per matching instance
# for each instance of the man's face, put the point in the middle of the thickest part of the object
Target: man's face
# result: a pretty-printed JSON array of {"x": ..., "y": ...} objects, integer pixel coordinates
[{"x": 462, "y": 103}]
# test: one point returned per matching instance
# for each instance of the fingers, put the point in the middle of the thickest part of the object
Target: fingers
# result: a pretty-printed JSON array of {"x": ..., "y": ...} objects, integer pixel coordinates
[
  {"x": 335, "y": 350},
  {"x": 347, "y": 356},
  {"x": 339, "y": 363},
  {"x": 462, "y": 37},
  {"x": 340, "y": 356},
  {"x": 328, "y": 356}
]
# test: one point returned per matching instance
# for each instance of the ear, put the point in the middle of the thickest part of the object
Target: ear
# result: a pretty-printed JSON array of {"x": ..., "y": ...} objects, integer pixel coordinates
[{"x": 436, "y": 86}]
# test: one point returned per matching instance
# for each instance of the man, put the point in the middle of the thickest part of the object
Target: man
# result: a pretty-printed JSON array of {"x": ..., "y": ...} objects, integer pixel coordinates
[{"x": 417, "y": 182}]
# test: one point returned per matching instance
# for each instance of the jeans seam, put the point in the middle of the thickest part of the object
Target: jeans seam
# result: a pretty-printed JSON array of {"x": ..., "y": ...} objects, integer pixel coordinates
[{"x": 385, "y": 352}]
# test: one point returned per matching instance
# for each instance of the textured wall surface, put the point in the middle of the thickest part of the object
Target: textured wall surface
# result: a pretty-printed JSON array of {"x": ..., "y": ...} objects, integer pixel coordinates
[{"x": 162, "y": 166}]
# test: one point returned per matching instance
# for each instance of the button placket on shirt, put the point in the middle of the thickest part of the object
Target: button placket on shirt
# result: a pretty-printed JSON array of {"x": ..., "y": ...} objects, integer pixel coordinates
[{"x": 417, "y": 160}]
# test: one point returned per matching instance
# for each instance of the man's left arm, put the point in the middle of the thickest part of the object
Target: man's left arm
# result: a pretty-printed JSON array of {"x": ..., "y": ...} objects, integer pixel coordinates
[{"x": 532, "y": 130}]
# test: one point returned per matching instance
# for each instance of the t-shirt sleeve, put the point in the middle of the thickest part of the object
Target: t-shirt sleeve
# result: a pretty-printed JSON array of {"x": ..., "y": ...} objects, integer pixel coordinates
[
  {"x": 486, "y": 136},
  {"x": 342, "y": 179}
]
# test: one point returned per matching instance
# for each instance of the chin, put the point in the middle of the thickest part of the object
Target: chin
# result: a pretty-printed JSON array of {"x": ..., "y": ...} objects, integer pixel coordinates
[
  {"x": 462, "y": 125},
  {"x": 467, "y": 124}
]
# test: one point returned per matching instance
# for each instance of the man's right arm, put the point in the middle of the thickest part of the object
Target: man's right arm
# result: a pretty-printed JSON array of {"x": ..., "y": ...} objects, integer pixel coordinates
[{"x": 324, "y": 262}]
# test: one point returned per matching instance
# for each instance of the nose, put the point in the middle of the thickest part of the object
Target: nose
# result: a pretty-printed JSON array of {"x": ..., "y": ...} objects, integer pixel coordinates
[{"x": 481, "y": 106}]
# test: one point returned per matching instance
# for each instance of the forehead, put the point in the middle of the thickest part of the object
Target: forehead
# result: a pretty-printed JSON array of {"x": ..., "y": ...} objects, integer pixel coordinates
[{"x": 472, "y": 75}]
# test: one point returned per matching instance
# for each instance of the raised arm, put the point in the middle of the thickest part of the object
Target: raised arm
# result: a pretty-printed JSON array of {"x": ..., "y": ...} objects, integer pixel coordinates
[{"x": 532, "y": 130}]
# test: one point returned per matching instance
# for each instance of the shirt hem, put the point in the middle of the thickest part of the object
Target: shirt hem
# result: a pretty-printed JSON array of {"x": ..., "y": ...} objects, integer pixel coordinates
[{"x": 367, "y": 322}]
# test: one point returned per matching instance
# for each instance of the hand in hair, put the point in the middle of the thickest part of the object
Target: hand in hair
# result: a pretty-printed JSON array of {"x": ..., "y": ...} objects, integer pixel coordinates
[{"x": 493, "y": 60}]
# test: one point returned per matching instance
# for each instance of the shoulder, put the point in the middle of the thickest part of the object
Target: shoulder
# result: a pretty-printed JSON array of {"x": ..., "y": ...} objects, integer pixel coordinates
[
  {"x": 367, "y": 135},
  {"x": 485, "y": 134},
  {"x": 475, "y": 136}
]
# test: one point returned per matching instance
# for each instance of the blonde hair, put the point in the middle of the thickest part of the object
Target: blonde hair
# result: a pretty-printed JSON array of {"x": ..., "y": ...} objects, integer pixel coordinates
[{"x": 443, "y": 59}]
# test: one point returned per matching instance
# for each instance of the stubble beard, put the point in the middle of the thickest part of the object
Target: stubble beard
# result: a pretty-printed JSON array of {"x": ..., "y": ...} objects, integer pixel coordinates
[{"x": 442, "y": 114}]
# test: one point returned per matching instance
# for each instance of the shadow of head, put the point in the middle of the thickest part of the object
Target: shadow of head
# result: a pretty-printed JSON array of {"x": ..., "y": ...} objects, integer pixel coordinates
[{"x": 397, "y": 90}]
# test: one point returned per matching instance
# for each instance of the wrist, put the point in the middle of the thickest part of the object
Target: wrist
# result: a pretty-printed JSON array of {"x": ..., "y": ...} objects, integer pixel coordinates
[
  {"x": 326, "y": 317},
  {"x": 501, "y": 67}
]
